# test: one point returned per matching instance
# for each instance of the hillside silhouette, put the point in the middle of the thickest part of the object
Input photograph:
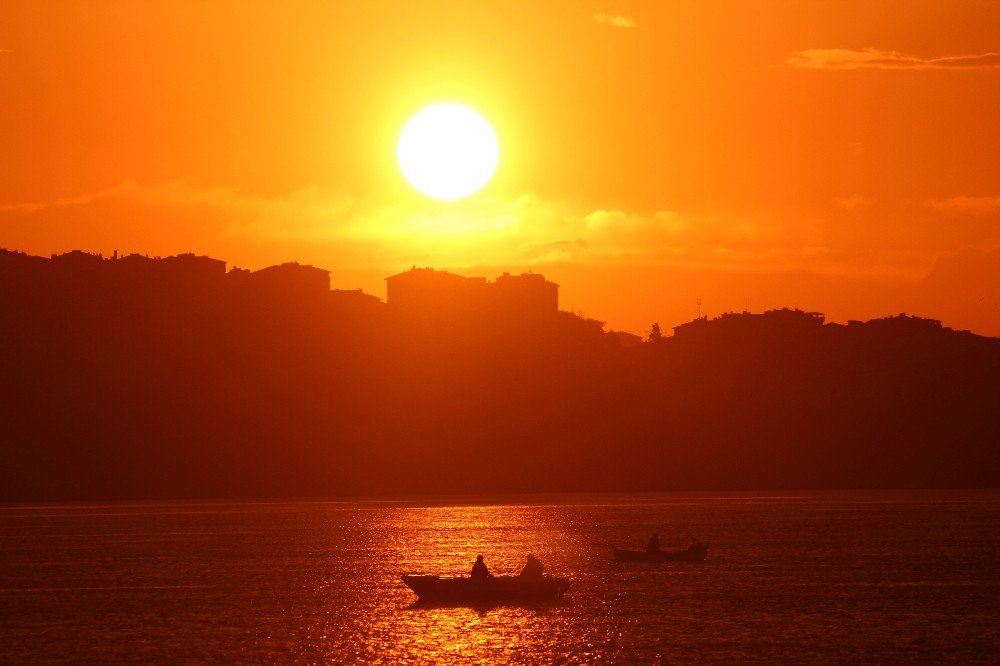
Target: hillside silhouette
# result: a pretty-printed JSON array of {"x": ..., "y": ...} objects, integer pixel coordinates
[{"x": 140, "y": 377}]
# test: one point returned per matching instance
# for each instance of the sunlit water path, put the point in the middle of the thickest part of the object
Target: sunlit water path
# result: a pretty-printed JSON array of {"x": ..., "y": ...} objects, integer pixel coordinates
[{"x": 833, "y": 576}]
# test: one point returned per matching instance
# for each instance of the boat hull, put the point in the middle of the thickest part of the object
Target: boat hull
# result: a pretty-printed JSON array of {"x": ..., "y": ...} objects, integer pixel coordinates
[
  {"x": 695, "y": 553},
  {"x": 498, "y": 588}
]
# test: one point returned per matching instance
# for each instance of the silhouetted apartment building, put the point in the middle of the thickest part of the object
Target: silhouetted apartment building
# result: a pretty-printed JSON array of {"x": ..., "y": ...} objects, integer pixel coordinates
[
  {"x": 290, "y": 279},
  {"x": 903, "y": 320},
  {"x": 428, "y": 292},
  {"x": 176, "y": 283},
  {"x": 14, "y": 264},
  {"x": 193, "y": 266},
  {"x": 77, "y": 259},
  {"x": 22, "y": 273},
  {"x": 901, "y": 324},
  {"x": 776, "y": 322},
  {"x": 183, "y": 271},
  {"x": 87, "y": 272},
  {"x": 77, "y": 270},
  {"x": 526, "y": 295},
  {"x": 348, "y": 303}
]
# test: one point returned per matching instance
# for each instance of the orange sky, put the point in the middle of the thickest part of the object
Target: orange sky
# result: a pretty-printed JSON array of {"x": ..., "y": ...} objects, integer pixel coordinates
[{"x": 839, "y": 156}]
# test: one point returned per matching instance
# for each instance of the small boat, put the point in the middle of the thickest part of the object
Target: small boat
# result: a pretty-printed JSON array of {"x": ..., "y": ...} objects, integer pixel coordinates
[
  {"x": 497, "y": 588},
  {"x": 696, "y": 552}
]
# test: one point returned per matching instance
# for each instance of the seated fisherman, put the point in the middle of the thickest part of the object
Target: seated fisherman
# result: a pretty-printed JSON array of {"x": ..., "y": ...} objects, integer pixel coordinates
[
  {"x": 532, "y": 568},
  {"x": 479, "y": 570},
  {"x": 654, "y": 544}
]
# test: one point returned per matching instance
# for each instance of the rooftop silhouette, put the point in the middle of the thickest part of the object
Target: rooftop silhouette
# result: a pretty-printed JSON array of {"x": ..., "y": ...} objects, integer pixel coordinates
[
  {"x": 430, "y": 293},
  {"x": 135, "y": 376}
]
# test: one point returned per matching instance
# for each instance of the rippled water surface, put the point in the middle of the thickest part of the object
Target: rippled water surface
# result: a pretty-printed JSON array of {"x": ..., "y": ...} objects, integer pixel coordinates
[{"x": 836, "y": 576}]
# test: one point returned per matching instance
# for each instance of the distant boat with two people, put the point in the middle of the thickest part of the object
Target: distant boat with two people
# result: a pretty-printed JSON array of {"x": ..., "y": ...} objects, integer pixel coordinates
[
  {"x": 695, "y": 552},
  {"x": 482, "y": 586}
]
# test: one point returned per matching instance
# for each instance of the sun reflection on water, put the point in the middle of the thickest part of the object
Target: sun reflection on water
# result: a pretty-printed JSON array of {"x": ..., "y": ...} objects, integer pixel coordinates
[
  {"x": 814, "y": 577},
  {"x": 445, "y": 540}
]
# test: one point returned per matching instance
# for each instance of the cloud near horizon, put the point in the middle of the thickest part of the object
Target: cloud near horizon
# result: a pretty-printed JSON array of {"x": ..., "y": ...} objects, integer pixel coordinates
[
  {"x": 967, "y": 205},
  {"x": 178, "y": 216},
  {"x": 847, "y": 59},
  {"x": 362, "y": 241},
  {"x": 614, "y": 21}
]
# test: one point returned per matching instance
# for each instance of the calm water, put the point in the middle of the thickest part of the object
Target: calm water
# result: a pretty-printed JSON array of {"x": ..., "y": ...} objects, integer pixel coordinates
[{"x": 838, "y": 576}]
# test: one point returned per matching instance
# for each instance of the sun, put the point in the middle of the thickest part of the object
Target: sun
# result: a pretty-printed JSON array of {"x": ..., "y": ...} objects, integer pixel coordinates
[{"x": 447, "y": 151}]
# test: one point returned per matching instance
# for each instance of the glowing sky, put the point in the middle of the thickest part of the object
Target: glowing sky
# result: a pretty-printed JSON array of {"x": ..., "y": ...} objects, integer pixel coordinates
[{"x": 838, "y": 156}]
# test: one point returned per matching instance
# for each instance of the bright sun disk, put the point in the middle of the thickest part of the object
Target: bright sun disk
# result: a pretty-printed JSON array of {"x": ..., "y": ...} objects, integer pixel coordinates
[{"x": 447, "y": 151}]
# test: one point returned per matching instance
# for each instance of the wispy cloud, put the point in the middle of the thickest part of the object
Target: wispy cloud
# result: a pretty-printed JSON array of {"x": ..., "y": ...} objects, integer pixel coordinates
[
  {"x": 967, "y": 205},
  {"x": 852, "y": 202},
  {"x": 614, "y": 20},
  {"x": 305, "y": 209},
  {"x": 350, "y": 233},
  {"x": 33, "y": 206},
  {"x": 891, "y": 60}
]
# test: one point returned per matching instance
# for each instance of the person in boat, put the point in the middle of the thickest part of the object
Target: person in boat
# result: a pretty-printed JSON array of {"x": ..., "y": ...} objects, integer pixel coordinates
[
  {"x": 532, "y": 568},
  {"x": 479, "y": 570},
  {"x": 653, "y": 546}
]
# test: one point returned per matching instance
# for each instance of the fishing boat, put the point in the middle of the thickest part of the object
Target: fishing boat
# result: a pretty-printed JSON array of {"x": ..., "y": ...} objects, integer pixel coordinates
[
  {"x": 696, "y": 552},
  {"x": 496, "y": 588}
]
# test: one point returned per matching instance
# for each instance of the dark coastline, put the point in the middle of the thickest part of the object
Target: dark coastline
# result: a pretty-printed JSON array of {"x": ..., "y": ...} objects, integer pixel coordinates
[{"x": 138, "y": 378}]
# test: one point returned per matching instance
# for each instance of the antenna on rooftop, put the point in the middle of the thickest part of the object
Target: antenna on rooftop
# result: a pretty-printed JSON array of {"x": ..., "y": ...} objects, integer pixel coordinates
[{"x": 699, "y": 307}]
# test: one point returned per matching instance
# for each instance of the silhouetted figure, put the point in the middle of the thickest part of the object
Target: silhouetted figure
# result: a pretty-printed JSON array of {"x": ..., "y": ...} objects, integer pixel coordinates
[
  {"x": 479, "y": 570},
  {"x": 532, "y": 568},
  {"x": 654, "y": 544}
]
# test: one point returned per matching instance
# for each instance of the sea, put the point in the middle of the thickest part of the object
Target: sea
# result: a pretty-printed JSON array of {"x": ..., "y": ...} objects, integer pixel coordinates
[{"x": 829, "y": 577}]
